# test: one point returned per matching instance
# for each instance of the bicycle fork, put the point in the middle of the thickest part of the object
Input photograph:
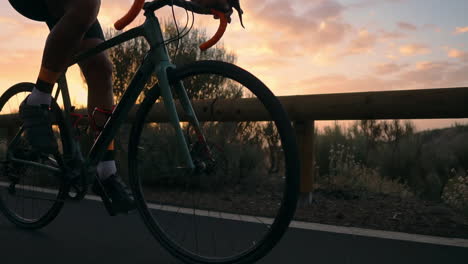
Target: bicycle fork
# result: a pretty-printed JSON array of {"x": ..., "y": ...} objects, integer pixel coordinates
[{"x": 169, "y": 103}]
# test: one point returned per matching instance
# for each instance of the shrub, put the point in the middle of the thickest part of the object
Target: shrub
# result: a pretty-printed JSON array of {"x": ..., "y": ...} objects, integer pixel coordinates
[
  {"x": 346, "y": 172},
  {"x": 455, "y": 192}
]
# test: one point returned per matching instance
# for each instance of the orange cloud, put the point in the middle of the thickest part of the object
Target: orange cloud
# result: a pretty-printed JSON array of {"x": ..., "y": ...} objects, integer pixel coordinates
[
  {"x": 8, "y": 20},
  {"x": 407, "y": 26},
  {"x": 388, "y": 35},
  {"x": 414, "y": 49},
  {"x": 364, "y": 43},
  {"x": 292, "y": 32},
  {"x": 425, "y": 74},
  {"x": 458, "y": 77},
  {"x": 458, "y": 54},
  {"x": 461, "y": 30},
  {"x": 454, "y": 53},
  {"x": 429, "y": 74},
  {"x": 19, "y": 33},
  {"x": 389, "y": 68},
  {"x": 338, "y": 83}
]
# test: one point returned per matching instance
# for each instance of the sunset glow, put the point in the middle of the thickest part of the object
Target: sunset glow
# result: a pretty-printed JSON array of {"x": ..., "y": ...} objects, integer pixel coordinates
[{"x": 301, "y": 46}]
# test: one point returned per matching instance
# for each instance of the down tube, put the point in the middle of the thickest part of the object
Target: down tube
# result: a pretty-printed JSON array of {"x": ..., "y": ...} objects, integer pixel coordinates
[{"x": 120, "y": 113}]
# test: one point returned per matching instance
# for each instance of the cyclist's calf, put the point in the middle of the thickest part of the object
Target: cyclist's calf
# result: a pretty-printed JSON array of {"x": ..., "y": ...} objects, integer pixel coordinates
[{"x": 98, "y": 73}]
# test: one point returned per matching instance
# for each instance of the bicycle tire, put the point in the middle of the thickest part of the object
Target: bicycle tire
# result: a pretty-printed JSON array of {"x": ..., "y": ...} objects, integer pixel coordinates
[
  {"x": 290, "y": 189},
  {"x": 39, "y": 190}
]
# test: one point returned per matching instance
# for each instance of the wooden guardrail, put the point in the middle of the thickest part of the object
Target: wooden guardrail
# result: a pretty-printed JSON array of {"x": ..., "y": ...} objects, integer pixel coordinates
[
  {"x": 305, "y": 109},
  {"x": 407, "y": 104}
]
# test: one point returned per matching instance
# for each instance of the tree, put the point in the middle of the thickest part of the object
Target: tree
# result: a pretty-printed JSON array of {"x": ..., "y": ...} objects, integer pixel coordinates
[
  {"x": 251, "y": 137},
  {"x": 395, "y": 130},
  {"x": 273, "y": 141},
  {"x": 129, "y": 55},
  {"x": 372, "y": 131},
  {"x": 126, "y": 58}
]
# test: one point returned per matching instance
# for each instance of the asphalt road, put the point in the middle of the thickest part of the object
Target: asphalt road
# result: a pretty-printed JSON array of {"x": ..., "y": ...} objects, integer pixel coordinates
[{"x": 84, "y": 233}]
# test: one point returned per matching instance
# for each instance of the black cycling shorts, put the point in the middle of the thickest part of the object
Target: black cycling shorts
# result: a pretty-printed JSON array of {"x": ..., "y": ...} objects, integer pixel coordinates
[{"x": 37, "y": 10}]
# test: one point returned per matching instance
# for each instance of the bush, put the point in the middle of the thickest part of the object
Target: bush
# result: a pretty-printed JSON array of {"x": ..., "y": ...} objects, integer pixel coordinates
[
  {"x": 455, "y": 192},
  {"x": 421, "y": 161},
  {"x": 242, "y": 161},
  {"x": 347, "y": 173}
]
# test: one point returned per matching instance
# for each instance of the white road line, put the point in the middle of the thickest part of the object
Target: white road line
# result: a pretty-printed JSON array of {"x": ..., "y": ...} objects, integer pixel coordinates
[
  {"x": 444, "y": 241},
  {"x": 457, "y": 242},
  {"x": 31, "y": 188}
]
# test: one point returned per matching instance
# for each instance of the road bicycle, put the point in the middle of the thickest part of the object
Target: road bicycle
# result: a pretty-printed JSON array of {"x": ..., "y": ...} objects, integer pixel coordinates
[{"x": 221, "y": 188}]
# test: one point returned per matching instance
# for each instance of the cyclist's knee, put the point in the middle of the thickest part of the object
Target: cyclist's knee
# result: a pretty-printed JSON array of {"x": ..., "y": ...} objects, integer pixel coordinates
[
  {"x": 83, "y": 13},
  {"x": 105, "y": 66},
  {"x": 99, "y": 65}
]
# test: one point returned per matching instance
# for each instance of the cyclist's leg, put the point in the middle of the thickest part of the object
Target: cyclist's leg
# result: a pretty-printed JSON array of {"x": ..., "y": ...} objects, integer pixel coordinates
[
  {"x": 98, "y": 74},
  {"x": 97, "y": 71},
  {"x": 73, "y": 19}
]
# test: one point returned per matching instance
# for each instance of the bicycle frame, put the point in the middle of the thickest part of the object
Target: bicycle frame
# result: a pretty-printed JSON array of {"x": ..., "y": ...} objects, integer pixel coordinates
[{"x": 156, "y": 61}]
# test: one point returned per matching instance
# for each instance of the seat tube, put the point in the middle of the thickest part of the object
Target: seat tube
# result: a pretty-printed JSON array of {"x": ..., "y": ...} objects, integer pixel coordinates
[{"x": 169, "y": 104}]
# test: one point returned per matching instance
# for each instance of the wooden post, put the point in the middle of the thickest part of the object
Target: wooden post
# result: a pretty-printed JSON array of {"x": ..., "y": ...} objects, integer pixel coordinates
[{"x": 305, "y": 141}]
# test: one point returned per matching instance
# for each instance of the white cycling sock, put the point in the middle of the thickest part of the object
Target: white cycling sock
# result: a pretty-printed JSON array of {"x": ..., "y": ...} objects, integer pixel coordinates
[
  {"x": 37, "y": 98},
  {"x": 106, "y": 169}
]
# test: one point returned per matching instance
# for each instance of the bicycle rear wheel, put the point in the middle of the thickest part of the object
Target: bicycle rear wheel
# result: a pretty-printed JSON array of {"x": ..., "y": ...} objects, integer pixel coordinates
[
  {"x": 32, "y": 191},
  {"x": 230, "y": 210}
]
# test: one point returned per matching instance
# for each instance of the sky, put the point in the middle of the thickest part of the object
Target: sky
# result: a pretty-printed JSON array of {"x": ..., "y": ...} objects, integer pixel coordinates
[{"x": 301, "y": 46}]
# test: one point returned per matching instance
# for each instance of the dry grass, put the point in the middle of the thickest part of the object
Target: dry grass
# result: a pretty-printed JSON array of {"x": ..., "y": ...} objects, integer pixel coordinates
[
  {"x": 347, "y": 173},
  {"x": 455, "y": 192}
]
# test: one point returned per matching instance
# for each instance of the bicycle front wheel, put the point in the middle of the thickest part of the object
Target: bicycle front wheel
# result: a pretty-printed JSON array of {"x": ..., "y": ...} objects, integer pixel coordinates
[
  {"x": 240, "y": 200},
  {"x": 32, "y": 191}
]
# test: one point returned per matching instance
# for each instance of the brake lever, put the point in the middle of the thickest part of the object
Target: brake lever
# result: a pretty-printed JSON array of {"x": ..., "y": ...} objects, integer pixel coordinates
[{"x": 240, "y": 12}]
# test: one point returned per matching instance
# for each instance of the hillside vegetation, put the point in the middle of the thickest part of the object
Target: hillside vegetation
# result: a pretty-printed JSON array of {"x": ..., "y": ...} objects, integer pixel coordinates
[{"x": 389, "y": 157}]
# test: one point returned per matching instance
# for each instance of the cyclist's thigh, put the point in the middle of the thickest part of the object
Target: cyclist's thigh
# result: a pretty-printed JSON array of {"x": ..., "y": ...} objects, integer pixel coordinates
[
  {"x": 95, "y": 32},
  {"x": 57, "y": 8}
]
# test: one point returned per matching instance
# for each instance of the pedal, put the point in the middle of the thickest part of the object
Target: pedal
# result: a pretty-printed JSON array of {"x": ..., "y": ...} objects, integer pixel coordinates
[
  {"x": 12, "y": 188},
  {"x": 72, "y": 176},
  {"x": 80, "y": 191},
  {"x": 99, "y": 190},
  {"x": 14, "y": 180},
  {"x": 108, "y": 205}
]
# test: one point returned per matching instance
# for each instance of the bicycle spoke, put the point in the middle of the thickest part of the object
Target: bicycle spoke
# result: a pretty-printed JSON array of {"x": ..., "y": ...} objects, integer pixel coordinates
[
  {"x": 221, "y": 212},
  {"x": 30, "y": 184}
]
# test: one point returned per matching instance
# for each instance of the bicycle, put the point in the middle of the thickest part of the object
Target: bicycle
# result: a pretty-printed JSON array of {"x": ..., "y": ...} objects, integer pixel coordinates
[{"x": 258, "y": 194}]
